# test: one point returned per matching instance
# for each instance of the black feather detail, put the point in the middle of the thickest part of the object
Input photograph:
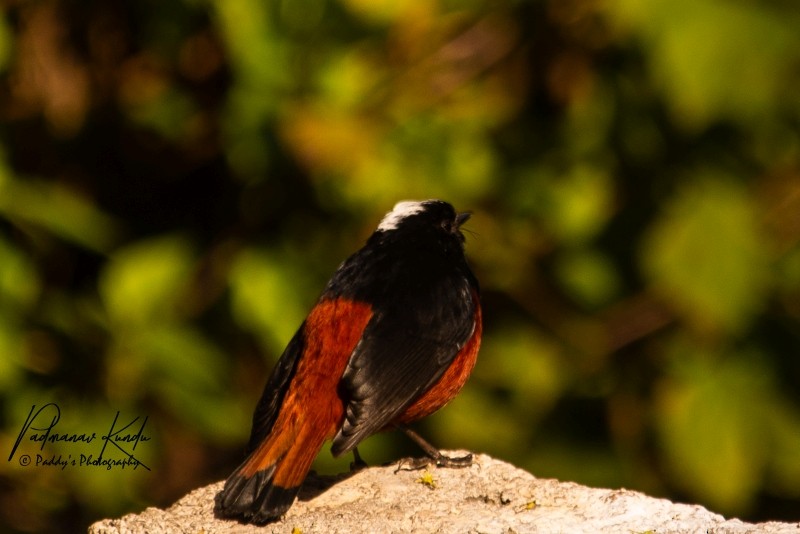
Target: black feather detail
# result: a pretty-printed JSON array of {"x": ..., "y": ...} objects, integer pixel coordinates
[
  {"x": 266, "y": 411},
  {"x": 255, "y": 499},
  {"x": 239, "y": 493}
]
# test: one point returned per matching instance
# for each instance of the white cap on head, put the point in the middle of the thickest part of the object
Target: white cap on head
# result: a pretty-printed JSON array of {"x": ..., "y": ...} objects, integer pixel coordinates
[{"x": 401, "y": 210}]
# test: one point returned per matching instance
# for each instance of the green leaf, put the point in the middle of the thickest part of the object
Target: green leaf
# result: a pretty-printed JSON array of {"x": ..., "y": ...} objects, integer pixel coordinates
[
  {"x": 224, "y": 419},
  {"x": 254, "y": 45},
  {"x": 715, "y": 59},
  {"x": 19, "y": 290},
  {"x": 169, "y": 114},
  {"x": 471, "y": 163},
  {"x": 588, "y": 276},
  {"x": 585, "y": 463},
  {"x": 476, "y": 420},
  {"x": 788, "y": 270},
  {"x": 174, "y": 353},
  {"x": 706, "y": 257},
  {"x": 377, "y": 12},
  {"x": 189, "y": 375},
  {"x": 56, "y": 209},
  {"x": 712, "y": 416},
  {"x": 348, "y": 79},
  {"x": 10, "y": 348},
  {"x": 784, "y": 469},
  {"x": 19, "y": 283},
  {"x": 182, "y": 356},
  {"x": 265, "y": 297},
  {"x": 525, "y": 363},
  {"x": 258, "y": 56},
  {"x": 142, "y": 283},
  {"x": 575, "y": 204}
]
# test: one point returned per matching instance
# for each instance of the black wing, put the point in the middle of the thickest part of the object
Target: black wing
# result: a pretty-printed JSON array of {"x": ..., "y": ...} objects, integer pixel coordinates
[
  {"x": 406, "y": 347},
  {"x": 266, "y": 411}
]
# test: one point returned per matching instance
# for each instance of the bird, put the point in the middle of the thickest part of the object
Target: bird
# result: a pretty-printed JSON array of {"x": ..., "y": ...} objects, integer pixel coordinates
[{"x": 392, "y": 338}]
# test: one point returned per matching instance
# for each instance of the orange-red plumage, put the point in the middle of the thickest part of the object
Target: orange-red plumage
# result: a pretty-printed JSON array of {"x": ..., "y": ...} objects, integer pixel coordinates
[{"x": 312, "y": 410}]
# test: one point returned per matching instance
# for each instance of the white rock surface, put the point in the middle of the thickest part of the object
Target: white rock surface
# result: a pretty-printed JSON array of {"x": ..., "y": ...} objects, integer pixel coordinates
[{"x": 489, "y": 497}]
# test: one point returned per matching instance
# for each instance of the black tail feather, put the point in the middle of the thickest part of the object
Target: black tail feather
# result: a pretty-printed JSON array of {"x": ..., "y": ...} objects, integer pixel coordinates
[{"x": 255, "y": 499}]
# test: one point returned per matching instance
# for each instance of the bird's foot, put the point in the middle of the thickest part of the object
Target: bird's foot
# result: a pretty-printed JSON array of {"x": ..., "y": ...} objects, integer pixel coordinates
[
  {"x": 436, "y": 458},
  {"x": 452, "y": 461}
]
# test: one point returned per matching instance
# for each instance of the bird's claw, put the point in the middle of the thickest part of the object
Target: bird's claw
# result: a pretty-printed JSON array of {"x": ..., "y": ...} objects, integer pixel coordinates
[{"x": 438, "y": 459}]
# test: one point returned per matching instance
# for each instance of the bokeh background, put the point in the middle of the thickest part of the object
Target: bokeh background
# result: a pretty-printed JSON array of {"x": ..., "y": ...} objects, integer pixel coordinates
[{"x": 178, "y": 180}]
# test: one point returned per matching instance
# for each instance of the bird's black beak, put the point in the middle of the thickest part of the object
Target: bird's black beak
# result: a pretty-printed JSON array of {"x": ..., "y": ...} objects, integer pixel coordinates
[{"x": 461, "y": 218}]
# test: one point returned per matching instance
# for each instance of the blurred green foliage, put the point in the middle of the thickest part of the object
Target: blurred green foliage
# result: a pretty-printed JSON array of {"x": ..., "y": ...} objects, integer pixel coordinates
[{"x": 179, "y": 179}]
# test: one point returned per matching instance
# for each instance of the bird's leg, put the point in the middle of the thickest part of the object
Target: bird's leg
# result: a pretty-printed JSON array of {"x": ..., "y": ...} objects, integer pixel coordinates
[
  {"x": 432, "y": 453},
  {"x": 358, "y": 463}
]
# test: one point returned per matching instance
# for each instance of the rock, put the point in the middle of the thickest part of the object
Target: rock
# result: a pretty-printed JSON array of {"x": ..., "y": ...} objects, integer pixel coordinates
[{"x": 491, "y": 496}]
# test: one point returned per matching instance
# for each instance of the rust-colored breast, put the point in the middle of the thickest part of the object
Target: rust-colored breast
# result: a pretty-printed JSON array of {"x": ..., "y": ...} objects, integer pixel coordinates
[{"x": 452, "y": 380}]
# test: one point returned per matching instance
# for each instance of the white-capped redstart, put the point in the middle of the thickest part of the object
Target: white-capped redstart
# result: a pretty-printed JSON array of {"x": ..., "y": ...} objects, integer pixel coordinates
[{"x": 392, "y": 339}]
